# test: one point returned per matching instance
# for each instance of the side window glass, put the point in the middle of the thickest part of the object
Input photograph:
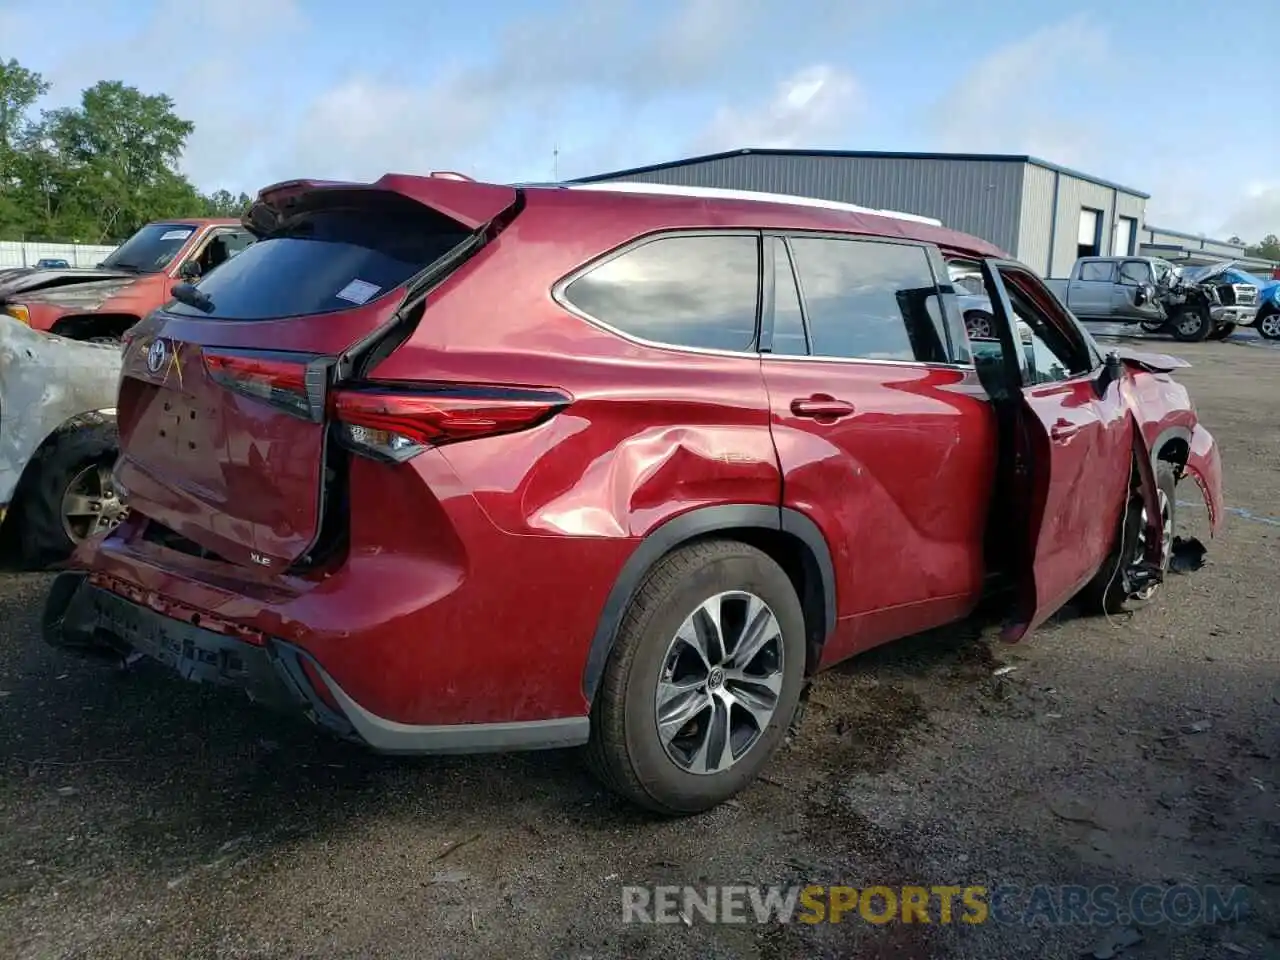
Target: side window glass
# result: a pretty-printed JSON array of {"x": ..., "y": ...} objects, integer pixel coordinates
[
  {"x": 788, "y": 322},
  {"x": 1097, "y": 270},
  {"x": 868, "y": 300},
  {"x": 692, "y": 291},
  {"x": 1048, "y": 344},
  {"x": 1135, "y": 273}
]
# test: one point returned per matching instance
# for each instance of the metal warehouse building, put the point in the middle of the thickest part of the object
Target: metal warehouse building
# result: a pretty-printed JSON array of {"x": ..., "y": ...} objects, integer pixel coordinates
[{"x": 1043, "y": 214}]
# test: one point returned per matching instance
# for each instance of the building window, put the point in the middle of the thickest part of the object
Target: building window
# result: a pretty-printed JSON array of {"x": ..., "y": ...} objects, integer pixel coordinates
[
  {"x": 1089, "y": 238},
  {"x": 691, "y": 291}
]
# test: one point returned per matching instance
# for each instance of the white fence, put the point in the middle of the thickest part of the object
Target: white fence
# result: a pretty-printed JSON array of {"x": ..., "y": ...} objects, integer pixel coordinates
[{"x": 15, "y": 254}]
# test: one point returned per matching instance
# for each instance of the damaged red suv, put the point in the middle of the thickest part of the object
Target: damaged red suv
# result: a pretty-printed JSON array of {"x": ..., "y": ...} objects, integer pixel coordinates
[{"x": 453, "y": 467}]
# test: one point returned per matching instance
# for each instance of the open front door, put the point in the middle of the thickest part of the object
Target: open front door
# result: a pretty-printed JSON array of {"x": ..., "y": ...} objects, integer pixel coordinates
[{"x": 1074, "y": 442}]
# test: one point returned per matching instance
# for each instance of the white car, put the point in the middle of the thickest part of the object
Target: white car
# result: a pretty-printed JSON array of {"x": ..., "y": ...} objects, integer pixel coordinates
[{"x": 57, "y": 440}]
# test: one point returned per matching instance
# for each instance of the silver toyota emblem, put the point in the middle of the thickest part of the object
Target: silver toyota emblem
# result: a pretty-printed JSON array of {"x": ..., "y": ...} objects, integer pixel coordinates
[{"x": 156, "y": 354}]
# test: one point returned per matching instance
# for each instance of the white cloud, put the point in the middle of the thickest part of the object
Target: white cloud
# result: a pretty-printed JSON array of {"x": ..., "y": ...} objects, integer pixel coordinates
[
  {"x": 1011, "y": 100},
  {"x": 812, "y": 108}
]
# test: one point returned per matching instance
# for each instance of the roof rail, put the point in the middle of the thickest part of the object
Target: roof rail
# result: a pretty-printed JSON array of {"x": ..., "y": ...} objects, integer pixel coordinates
[{"x": 720, "y": 193}]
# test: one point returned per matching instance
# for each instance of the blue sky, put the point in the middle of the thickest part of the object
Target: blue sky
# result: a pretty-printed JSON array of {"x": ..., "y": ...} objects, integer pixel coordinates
[{"x": 1139, "y": 92}]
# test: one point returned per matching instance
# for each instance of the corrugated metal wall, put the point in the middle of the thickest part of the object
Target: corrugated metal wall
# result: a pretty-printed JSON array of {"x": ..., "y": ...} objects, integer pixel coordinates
[
  {"x": 15, "y": 254},
  {"x": 980, "y": 197},
  {"x": 1035, "y": 224},
  {"x": 1075, "y": 195}
]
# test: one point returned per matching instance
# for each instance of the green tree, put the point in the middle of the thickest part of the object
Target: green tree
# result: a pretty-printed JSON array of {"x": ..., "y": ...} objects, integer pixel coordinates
[
  {"x": 20, "y": 88},
  {"x": 223, "y": 203},
  {"x": 1268, "y": 249}
]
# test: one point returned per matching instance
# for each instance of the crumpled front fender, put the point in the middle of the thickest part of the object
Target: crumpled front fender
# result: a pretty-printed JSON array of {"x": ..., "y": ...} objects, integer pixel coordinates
[{"x": 1204, "y": 463}]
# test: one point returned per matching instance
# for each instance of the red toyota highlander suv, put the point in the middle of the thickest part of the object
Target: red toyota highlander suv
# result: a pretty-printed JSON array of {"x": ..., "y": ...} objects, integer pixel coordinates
[{"x": 453, "y": 467}]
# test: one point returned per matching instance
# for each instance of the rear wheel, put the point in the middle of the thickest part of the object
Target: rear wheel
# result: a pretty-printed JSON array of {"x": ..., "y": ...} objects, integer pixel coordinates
[
  {"x": 1108, "y": 592},
  {"x": 67, "y": 495},
  {"x": 1191, "y": 324},
  {"x": 1269, "y": 325},
  {"x": 703, "y": 680},
  {"x": 1222, "y": 332}
]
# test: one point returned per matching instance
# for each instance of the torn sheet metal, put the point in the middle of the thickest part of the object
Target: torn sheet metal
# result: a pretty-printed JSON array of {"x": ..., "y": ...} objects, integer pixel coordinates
[
  {"x": 46, "y": 381},
  {"x": 1204, "y": 463}
]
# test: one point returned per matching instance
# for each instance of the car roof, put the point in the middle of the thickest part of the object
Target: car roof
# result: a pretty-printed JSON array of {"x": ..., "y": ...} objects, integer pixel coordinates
[{"x": 692, "y": 207}]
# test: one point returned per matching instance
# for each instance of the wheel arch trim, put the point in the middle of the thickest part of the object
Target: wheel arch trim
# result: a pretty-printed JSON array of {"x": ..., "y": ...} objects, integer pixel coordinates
[{"x": 690, "y": 526}]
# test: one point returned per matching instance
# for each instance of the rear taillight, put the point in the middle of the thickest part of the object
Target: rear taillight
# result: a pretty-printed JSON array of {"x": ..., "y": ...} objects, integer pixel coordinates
[
  {"x": 394, "y": 424},
  {"x": 295, "y": 384}
]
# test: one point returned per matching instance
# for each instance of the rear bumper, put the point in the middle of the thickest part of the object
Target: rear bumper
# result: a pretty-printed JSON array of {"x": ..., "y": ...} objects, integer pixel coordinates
[{"x": 83, "y": 618}]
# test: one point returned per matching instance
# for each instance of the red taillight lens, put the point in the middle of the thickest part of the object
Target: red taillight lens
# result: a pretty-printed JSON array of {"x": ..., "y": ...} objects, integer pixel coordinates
[
  {"x": 294, "y": 384},
  {"x": 398, "y": 424}
]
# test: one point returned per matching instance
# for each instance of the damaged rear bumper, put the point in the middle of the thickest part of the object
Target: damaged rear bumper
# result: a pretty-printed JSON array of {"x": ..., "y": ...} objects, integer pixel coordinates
[
  {"x": 84, "y": 618},
  {"x": 1204, "y": 463},
  {"x": 89, "y": 620}
]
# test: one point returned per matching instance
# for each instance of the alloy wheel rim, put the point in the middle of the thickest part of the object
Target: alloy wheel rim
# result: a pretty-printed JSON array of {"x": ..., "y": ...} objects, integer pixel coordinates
[
  {"x": 1189, "y": 323},
  {"x": 1270, "y": 325},
  {"x": 980, "y": 328},
  {"x": 720, "y": 682},
  {"x": 91, "y": 505},
  {"x": 1166, "y": 546}
]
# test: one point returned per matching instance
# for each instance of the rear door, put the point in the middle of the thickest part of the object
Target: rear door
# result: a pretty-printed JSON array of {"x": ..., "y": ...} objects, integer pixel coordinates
[
  {"x": 1075, "y": 448},
  {"x": 223, "y": 392},
  {"x": 884, "y": 442},
  {"x": 1089, "y": 294}
]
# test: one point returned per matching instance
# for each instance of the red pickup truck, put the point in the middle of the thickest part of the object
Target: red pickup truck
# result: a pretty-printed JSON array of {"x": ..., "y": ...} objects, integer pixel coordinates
[{"x": 103, "y": 302}]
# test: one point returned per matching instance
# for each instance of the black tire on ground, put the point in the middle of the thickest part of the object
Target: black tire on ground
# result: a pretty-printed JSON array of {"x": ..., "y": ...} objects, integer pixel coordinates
[
  {"x": 1268, "y": 324},
  {"x": 1195, "y": 335},
  {"x": 1222, "y": 332},
  {"x": 37, "y": 508},
  {"x": 625, "y": 751},
  {"x": 1105, "y": 593}
]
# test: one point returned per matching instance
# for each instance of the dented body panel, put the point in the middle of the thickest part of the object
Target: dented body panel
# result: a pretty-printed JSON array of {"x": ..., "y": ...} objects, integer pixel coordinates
[
  {"x": 46, "y": 382},
  {"x": 49, "y": 300},
  {"x": 482, "y": 581}
]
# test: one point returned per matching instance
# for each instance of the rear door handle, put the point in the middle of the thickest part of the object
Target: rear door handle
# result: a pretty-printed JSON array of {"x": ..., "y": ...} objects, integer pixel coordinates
[{"x": 821, "y": 407}]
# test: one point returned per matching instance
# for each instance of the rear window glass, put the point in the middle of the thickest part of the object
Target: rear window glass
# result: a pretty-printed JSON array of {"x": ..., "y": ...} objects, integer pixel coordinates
[{"x": 325, "y": 261}]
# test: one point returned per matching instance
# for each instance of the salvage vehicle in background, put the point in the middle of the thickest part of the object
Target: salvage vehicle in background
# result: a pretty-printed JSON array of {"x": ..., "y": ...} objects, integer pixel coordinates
[
  {"x": 1149, "y": 291},
  {"x": 1267, "y": 318},
  {"x": 453, "y": 467},
  {"x": 57, "y": 441},
  {"x": 100, "y": 304},
  {"x": 52, "y": 263}
]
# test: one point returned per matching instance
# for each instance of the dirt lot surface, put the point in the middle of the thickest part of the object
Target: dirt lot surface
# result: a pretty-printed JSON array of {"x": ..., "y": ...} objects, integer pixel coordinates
[{"x": 143, "y": 817}]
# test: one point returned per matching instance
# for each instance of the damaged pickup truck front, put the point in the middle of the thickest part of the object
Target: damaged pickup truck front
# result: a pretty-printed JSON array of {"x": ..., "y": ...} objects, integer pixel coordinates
[
  {"x": 57, "y": 441},
  {"x": 100, "y": 304}
]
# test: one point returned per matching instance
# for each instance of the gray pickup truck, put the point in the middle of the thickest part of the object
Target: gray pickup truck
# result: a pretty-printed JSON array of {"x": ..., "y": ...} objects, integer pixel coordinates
[{"x": 1153, "y": 293}]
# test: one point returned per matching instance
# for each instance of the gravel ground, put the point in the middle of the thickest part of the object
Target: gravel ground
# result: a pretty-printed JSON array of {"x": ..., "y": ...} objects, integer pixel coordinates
[{"x": 144, "y": 817}]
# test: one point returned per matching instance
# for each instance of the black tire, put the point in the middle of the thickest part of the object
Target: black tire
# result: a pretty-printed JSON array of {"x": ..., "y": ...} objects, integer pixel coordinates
[
  {"x": 1222, "y": 332},
  {"x": 1201, "y": 330},
  {"x": 1268, "y": 324},
  {"x": 1106, "y": 593},
  {"x": 38, "y": 500},
  {"x": 625, "y": 751}
]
